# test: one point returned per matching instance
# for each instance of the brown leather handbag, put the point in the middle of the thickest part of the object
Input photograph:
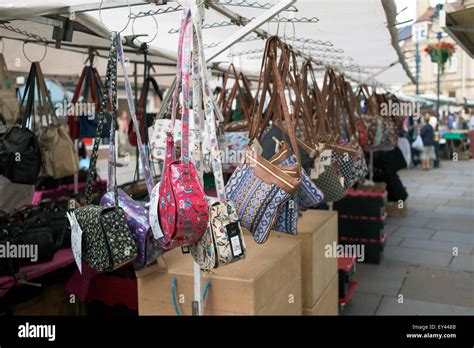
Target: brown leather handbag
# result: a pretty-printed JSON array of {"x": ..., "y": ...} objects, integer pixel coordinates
[{"x": 244, "y": 99}]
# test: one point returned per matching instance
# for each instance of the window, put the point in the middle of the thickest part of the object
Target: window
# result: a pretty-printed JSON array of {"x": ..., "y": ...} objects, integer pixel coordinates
[
  {"x": 452, "y": 64},
  {"x": 452, "y": 94}
]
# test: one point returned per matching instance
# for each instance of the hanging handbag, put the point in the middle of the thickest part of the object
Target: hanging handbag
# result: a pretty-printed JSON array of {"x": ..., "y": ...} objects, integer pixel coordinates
[
  {"x": 244, "y": 101},
  {"x": 183, "y": 206},
  {"x": 144, "y": 120},
  {"x": 20, "y": 156},
  {"x": 389, "y": 128},
  {"x": 257, "y": 187},
  {"x": 359, "y": 164},
  {"x": 107, "y": 241},
  {"x": 277, "y": 129},
  {"x": 309, "y": 195},
  {"x": 84, "y": 119},
  {"x": 58, "y": 154},
  {"x": 326, "y": 172},
  {"x": 223, "y": 241},
  {"x": 9, "y": 104},
  {"x": 371, "y": 119},
  {"x": 135, "y": 212}
]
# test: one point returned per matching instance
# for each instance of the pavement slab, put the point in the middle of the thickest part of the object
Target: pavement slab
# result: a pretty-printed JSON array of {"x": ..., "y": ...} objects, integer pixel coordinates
[{"x": 439, "y": 286}]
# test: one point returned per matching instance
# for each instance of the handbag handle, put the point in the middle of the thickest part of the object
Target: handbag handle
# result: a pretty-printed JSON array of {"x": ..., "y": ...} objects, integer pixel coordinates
[
  {"x": 144, "y": 93},
  {"x": 236, "y": 90}
]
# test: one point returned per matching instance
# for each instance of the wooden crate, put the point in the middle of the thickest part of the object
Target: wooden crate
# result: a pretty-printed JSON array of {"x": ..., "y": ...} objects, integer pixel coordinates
[
  {"x": 328, "y": 303},
  {"x": 266, "y": 282},
  {"x": 316, "y": 229}
]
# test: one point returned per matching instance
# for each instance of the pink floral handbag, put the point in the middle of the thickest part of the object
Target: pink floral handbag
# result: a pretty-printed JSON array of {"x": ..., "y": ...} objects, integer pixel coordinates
[{"x": 183, "y": 207}]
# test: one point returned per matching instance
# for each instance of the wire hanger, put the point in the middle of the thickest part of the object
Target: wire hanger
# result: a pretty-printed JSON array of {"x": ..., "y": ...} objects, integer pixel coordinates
[
  {"x": 26, "y": 56},
  {"x": 128, "y": 17}
]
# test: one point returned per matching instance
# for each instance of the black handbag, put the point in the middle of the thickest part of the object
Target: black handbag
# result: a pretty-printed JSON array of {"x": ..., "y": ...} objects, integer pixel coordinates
[
  {"x": 20, "y": 157},
  {"x": 268, "y": 145},
  {"x": 20, "y": 237},
  {"x": 8, "y": 266}
]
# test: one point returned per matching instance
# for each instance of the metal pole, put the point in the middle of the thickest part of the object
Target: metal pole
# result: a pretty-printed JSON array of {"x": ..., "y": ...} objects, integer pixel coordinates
[
  {"x": 438, "y": 82},
  {"x": 417, "y": 68}
]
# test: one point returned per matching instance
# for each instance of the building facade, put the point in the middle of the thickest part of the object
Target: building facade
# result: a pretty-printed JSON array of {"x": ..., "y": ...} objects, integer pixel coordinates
[{"x": 457, "y": 82}]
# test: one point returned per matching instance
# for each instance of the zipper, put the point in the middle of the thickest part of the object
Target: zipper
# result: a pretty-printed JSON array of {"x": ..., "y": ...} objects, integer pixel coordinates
[{"x": 269, "y": 171}]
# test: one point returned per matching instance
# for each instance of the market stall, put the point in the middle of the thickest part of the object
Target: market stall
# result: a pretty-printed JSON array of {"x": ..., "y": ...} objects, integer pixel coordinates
[{"x": 266, "y": 128}]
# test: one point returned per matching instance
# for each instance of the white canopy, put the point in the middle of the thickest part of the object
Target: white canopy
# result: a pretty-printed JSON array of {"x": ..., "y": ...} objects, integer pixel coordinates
[{"x": 360, "y": 35}]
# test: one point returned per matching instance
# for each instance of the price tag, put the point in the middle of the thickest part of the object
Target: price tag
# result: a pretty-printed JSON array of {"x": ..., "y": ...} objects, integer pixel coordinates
[
  {"x": 325, "y": 157},
  {"x": 233, "y": 232},
  {"x": 76, "y": 239}
]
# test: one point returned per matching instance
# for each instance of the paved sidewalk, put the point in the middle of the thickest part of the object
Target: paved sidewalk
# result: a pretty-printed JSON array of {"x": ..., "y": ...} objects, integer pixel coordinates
[{"x": 428, "y": 262}]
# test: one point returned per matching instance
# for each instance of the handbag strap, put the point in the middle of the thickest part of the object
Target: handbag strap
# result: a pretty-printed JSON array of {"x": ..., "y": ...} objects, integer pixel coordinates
[
  {"x": 186, "y": 88},
  {"x": 29, "y": 96},
  {"x": 209, "y": 108},
  {"x": 48, "y": 103},
  {"x": 131, "y": 106},
  {"x": 288, "y": 118},
  {"x": 182, "y": 82},
  {"x": 77, "y": 90},
  {"x": 110, "y": 71},
  {"x": 198, "y": 112},
  {"x": 236, "y": 90}
]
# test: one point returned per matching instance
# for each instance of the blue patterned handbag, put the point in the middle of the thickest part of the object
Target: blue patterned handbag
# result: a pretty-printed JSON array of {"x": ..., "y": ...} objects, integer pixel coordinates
[{"x": 260, "y": 189}]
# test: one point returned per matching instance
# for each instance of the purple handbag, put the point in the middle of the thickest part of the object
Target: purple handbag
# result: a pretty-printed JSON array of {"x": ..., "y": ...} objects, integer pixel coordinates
[
  {"x": 137, "y": 219},
  {"x": 135, "y": 212}
]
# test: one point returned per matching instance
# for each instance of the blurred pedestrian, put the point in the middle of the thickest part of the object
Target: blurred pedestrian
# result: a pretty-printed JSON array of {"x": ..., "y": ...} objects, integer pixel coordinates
[{"x": 427, "y": 135}]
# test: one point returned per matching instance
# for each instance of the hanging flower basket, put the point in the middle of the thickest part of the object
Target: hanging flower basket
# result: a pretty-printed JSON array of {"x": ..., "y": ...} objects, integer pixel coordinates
[{"x": 440, "y": 53}]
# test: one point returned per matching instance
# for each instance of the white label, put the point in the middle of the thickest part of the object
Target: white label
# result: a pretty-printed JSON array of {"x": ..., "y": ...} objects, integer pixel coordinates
[
  {"x": 341, "y": 180},
  {"x": 76, "y": 239},
  {"x": 235, "y": 243},
  {"x": 317, "y": 170}
]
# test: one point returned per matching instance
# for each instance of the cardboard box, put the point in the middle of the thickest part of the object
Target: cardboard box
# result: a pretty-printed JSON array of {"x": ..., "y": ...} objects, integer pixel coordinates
[
  {"x": 328, "y": 303},
  {"x": 395, "y": 209},
  {"x": 266, "y": 282},
  {"x": 316, "y": 230}
]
